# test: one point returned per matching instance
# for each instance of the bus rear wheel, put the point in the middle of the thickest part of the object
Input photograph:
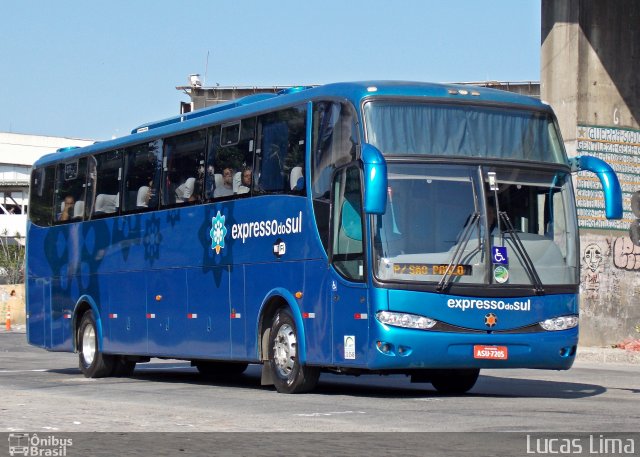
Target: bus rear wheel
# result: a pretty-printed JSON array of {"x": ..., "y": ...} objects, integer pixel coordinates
[
  {"x": 454, "y": 381},
  {"x": 289, "y": 375},
  {"x": 92, "y": 362}
]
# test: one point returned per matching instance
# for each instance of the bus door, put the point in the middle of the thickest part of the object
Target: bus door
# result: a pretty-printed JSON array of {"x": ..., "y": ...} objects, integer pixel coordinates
[{"x": 348, "y": 293}]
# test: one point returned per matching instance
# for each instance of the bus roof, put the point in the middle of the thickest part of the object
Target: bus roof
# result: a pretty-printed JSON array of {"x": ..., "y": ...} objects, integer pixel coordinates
[{"x": 264, "y": 102}]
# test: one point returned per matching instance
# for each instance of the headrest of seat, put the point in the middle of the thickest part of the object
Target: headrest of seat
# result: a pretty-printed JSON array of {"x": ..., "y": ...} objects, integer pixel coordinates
[
  {"x": 78, "y": 209},
  {"x": 294, "y": 178},
  {"x": 237, "y": 179}
]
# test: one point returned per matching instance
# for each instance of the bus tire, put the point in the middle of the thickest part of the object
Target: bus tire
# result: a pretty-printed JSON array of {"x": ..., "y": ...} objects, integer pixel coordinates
[
  {"x": 220, "y": 369},
  {"x": 92, "y": 362},
  {"x": 454, "y": 381},
  {"x": 289, "y": 375}
]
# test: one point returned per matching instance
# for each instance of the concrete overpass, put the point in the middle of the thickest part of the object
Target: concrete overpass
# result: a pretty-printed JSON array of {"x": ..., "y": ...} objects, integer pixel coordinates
[{"x": 590, "y": 74}]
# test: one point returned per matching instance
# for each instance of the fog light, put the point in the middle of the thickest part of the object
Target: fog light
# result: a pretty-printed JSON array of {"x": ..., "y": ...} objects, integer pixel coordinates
[{"x": 568, "y": 351}]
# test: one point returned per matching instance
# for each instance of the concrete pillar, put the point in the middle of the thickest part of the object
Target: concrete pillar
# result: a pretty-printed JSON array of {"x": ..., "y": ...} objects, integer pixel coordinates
[{"x": 590, "y": 74}]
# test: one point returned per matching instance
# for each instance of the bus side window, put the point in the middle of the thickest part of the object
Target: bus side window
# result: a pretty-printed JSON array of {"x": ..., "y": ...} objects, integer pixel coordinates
[
  {"x": 143, "y": 170},
  {"x": 281, "y": 152},
  {"x": 105, "y": 174},
  {"x": 334, "y": 141},
  {"x": 184, "y": 168},
  {"x": 230, "y": 154},
  {"x": 41, "y": 196},
  {"x": 70, "y": 189},
  {"x": 347, "y": 241}
]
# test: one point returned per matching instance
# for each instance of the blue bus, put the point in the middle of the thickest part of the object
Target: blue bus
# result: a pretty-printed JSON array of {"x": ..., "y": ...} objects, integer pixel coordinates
[{"x": 375, "y": 227}]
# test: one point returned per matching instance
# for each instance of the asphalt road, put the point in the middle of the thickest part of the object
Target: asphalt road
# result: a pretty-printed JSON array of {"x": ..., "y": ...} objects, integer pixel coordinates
[{"x": 46, "y": 393}]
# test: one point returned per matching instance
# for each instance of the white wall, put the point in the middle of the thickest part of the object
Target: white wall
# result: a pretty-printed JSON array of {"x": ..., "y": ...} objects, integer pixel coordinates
[{"x": 18, "y": 152}]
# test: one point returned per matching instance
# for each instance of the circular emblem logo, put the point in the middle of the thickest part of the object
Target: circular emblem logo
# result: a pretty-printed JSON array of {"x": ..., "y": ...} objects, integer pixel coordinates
[
  {"x": 501, "y": 274},
  {"x": 490, "y": 320}
]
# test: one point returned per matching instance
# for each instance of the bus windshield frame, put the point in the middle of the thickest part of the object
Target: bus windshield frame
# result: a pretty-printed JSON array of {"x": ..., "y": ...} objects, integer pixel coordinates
[{"x": 443, "y": 222}]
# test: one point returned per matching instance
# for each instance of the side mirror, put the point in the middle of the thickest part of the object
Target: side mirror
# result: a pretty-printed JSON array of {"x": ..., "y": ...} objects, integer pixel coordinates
[
  {"x": 608, "y": 179},
  {"x": 375, "y": 180}
]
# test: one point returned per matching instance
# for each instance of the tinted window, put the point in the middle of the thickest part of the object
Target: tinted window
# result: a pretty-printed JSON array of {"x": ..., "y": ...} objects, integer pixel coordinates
[
  {"x": 348, "y": 246},
  {"x": 281, "y": 152},
  {"x": 143, "y": 170},
  {"x": 227, "y": 161},
  {"x": 41, "y": 196},
  {"x": 104, "y": 183},
  {"x": 184, "y": 168},
  {"x": 334, "y": 137},
  {"x": 69, "y": 204},
  {"x": 397, "y": 127}
]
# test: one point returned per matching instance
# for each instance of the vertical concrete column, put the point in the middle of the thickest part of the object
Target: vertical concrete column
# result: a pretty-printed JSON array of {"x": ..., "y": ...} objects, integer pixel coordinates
[{"x": 590, "y": 74}]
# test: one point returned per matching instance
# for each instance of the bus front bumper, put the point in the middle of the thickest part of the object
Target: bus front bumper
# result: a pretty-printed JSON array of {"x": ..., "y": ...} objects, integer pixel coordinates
[{"x": 399, "y": 348}]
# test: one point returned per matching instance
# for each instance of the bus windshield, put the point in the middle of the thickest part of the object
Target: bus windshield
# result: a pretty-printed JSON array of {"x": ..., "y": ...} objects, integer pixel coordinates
[
  {"x": 439, "y": 225},
  {"x": 416, "y": 128}
]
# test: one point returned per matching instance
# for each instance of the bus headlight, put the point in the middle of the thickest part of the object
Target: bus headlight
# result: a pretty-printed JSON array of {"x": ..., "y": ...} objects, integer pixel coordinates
[
  {"x": 560, "y": 323},
  {"x": 405, "y": 320}
]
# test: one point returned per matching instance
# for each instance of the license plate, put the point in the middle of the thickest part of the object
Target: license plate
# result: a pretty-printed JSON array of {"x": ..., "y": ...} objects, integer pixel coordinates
[{"x": 490, "y": 352}]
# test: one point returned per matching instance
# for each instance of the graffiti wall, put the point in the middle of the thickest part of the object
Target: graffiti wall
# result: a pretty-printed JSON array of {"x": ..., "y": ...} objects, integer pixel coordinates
[
  {"x": 610, "y": 263},
  {"x": 610, "y": 289}
]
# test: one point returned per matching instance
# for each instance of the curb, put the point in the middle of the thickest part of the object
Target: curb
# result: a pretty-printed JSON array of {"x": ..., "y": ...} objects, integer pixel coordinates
[
  {"x": 14, "y": 329},
  {"x": 607, "y": 355}
]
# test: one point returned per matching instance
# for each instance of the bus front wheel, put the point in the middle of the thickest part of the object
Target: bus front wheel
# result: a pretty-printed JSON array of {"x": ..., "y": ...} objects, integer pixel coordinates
[
  {"x": 454, "y": 381},
  {"x": 289, "y": 375},
  {"x": 93, "y": 363}
]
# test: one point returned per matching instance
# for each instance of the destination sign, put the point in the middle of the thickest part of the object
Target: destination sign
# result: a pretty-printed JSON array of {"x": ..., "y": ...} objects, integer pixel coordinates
[{"x": 423, "y": 269}]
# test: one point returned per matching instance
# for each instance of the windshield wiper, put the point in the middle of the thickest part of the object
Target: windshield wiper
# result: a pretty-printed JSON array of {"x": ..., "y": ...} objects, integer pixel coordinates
[
  {"x": 447, "y": 277},
  {"x": 527, "y": 263}
]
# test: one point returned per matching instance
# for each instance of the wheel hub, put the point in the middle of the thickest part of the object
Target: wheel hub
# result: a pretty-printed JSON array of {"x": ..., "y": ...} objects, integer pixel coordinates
[
  {"x": 88, "y": 344},
  {"x": 284, "y": 350}
]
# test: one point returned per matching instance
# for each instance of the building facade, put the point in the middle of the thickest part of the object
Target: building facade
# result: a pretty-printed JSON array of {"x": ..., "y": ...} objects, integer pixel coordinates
[{"x": 17, "y": 153}]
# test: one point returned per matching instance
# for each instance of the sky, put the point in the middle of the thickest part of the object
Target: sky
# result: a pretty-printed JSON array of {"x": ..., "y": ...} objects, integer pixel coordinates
[{"x": 97, "y": 69}]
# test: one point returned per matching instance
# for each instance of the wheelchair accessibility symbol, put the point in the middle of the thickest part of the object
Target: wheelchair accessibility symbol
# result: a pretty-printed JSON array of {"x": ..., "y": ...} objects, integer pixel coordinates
[{"x": 499, "y": 255}]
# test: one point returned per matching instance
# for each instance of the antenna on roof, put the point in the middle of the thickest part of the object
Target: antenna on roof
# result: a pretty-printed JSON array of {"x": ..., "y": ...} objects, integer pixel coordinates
[{"x": 206, "y": 70}]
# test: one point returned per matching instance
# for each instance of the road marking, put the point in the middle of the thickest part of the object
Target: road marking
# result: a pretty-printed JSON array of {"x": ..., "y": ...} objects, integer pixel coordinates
[
  {"x": 329, "y": 414},
  {"x": 41, "y": 370},
  {"x": 25, "y": 371}
]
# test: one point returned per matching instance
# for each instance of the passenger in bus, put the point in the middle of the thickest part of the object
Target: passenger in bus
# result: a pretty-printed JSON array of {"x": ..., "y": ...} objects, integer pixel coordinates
[
  {"x": 245, "y": 181},
  {"x": 196, "y": 196},
  {"x": 145, "y": 196},
  {"x": 67, "y": 209},
  {"x": 227, "y": 184}
]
